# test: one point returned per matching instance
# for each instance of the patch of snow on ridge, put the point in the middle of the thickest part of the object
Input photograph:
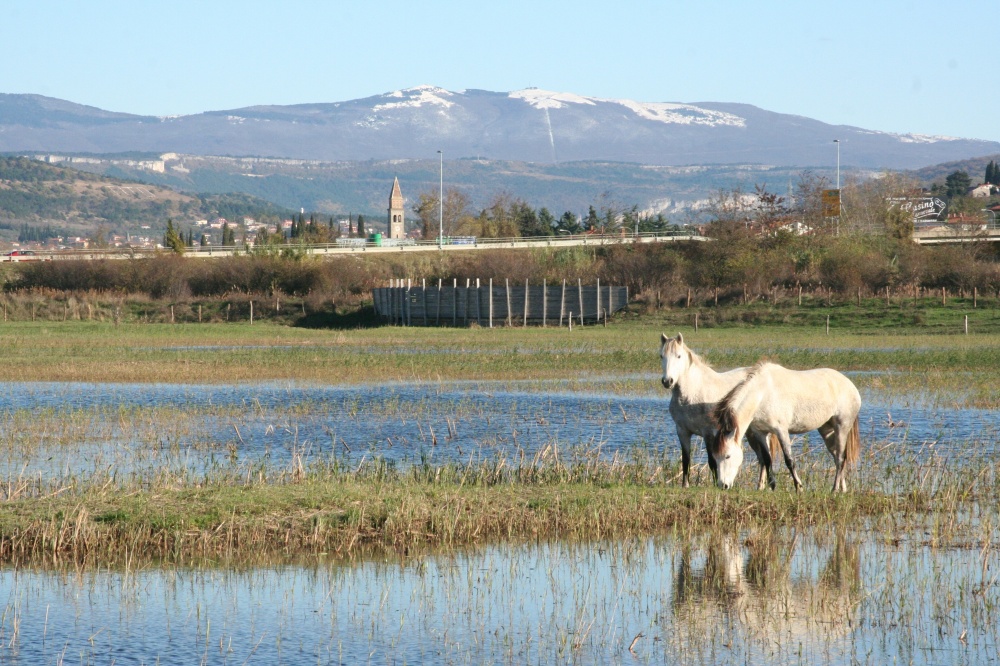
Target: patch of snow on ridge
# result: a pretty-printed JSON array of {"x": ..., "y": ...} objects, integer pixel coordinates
[
  {"x": 416, "y": 98},
  {"x": 923, "y": 138},
  {"x": 545, "y": 99},
  {"x": 680, "y": 114}
]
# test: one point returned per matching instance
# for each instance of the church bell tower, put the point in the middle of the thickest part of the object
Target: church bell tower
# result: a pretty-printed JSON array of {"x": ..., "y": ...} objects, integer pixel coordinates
[{"x": 396, "y": 207}]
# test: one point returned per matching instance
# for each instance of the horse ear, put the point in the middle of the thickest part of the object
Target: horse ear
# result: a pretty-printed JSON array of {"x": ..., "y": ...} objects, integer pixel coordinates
[
  {"x": 680, "y": 338},
  {"x": 663, "y": 338}
]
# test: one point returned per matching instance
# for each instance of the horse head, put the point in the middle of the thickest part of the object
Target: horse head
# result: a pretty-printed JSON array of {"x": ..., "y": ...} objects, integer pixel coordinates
[
  {"x": 676, "y": 359},
  {"x": 725, "y": 447}
]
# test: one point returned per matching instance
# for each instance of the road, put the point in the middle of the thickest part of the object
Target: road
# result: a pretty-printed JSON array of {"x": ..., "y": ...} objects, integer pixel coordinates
[{"x": 369, "y": 247}]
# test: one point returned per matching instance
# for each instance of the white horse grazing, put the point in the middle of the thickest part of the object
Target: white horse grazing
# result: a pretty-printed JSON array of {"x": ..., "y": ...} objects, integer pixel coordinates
[
  {"x": 776, "y": 400},
  {"x": 695, "y": 389}
]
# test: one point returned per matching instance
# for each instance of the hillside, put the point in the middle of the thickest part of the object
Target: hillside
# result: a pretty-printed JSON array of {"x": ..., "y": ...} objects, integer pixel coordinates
[
  {"x": 975, "y": 167},
  {"x": 339, "y": 188},
  {"x": 76, "y": 202},
  {"x": 521, "y": 126}
]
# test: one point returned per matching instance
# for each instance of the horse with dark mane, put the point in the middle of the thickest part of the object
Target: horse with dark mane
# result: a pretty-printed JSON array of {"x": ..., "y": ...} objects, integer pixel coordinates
[{"x": 774, "y": 400}]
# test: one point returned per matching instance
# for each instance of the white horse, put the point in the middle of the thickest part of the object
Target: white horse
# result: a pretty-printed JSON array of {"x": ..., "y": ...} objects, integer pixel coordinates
[
  {"x": 778, "y": 401},
  {"x": 695, "y": 389}
]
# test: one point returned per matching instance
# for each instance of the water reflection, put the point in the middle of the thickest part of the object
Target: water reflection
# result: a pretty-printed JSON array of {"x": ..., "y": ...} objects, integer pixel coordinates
[
  {"x": 781, "y": 598},
  {"x": 766, "y": 590}
]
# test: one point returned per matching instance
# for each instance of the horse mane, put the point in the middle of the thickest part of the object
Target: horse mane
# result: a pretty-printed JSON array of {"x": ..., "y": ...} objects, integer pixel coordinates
[
  {"x": 724, "y": 414},
  {"x": 695, "y": 358}
]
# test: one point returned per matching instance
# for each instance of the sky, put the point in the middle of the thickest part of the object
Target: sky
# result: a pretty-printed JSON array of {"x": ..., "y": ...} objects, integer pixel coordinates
[{"x": 889, "y": 65}]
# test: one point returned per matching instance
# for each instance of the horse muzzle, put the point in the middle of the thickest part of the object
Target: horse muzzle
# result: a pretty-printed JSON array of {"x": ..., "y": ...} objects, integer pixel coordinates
[{"x": 667, "y": 383}]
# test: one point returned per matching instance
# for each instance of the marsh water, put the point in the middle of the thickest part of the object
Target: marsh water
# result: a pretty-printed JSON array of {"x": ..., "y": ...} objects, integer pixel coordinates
[
  {"x": 793, "y": 598},
  {"x": 140, "y": 427},
  {"x": 785, "y": 597}
]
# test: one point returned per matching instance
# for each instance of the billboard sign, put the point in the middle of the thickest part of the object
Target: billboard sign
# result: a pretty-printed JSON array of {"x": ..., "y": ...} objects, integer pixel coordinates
[{"x": 924, "y": 209}]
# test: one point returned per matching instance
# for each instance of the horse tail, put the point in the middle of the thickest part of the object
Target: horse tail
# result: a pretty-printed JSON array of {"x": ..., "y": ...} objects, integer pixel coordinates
[
  {"x": 775, "y": 445},
  {"x": 854, "y": 443}
]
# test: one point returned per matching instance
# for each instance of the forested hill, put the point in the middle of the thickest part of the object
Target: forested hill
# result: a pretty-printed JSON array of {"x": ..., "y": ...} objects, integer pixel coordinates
[
  {"x": 975, "y": 167},
  {"x": 38, "y": 194}
]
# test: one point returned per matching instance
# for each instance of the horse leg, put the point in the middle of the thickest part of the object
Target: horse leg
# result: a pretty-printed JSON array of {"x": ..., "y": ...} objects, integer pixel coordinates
[
  {"x": 835, "y": 436},
  {"x": 786, "y": 452},
  {"x": 758, "y": 443},
  {"x": 713, "y": 466},
  {"x": 684, "y": 437}
]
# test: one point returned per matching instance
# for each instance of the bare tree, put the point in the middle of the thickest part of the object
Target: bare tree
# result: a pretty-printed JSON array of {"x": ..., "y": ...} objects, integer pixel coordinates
[{"x": 457, "y": 219}]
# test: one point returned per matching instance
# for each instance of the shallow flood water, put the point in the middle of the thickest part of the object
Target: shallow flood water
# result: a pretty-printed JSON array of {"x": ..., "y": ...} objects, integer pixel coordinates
[
  {"x": 137, "y": 428},
  {"x": 791, "y": 598},
  {"x": 794, "y": 597}
]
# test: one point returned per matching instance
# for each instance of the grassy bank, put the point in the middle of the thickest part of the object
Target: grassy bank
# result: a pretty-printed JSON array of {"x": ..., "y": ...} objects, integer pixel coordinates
[
  {"x": 626, "y": 349},
  {"x": 329, "y": 509}
]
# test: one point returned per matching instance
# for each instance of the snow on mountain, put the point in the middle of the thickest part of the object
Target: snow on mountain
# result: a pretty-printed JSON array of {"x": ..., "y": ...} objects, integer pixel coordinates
[
  {"x": 683, "y": 114},
  {"x": 420, "y": 96},
  {"x": 545, "y": 99},
  {"x": 530, "y": 125}
]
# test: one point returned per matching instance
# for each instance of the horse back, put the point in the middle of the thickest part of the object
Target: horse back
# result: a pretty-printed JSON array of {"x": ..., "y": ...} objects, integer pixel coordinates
[{"x": 805, "y": 399}]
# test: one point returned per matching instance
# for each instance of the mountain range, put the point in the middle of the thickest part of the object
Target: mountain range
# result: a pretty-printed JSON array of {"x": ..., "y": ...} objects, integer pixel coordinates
[{"x": 530, "y": 125}]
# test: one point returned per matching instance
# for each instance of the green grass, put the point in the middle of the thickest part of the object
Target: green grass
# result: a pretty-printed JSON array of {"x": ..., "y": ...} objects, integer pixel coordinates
[{"x": 219, "y": 353}]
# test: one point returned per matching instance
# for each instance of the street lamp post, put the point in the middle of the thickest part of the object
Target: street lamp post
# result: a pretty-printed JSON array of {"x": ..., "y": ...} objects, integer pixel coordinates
[
  {"x": 839, "y": 202},
  {"x": 993, "y": 215},
  {"x": 441, "y": 204},
  {"x": 837, "y": 141}
]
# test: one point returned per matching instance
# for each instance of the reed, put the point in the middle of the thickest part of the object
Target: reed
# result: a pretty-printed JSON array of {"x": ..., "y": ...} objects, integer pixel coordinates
[{"x": 247, "y": 513}]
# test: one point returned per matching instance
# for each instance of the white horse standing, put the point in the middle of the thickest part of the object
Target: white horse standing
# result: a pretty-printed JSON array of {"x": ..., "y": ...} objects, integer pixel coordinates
[
  {"x": 776, "y": 400},
  {"x": 695, "y": 390}
]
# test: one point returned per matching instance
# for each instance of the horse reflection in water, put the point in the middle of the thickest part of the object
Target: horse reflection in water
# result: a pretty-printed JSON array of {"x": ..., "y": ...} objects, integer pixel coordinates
[{"x": 750, "y": 590}]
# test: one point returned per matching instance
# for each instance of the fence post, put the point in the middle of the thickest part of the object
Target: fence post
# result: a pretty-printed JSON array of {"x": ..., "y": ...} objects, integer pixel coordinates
[
  {"x": 468, "y": 283},
  {"x": 562, "y": 303},
  {"x": 545, "y": 303},
  {"x": 507, "y": 291},
  {"x": 579, "y": 291},
  {"x": 439, "y": 302},
  {"x": 598, "y": 303},
  {"x": 491, "y": 302},
  {"x": 409, "y": 308},
  {"x": 479, "y": 303},
  {"x": 525, "y": 321},
  {"x": 423, "y": 288}
]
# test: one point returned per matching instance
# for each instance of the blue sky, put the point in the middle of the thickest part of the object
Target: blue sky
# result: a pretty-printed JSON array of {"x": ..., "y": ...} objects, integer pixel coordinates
[{"x": 889, "y": 65}]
